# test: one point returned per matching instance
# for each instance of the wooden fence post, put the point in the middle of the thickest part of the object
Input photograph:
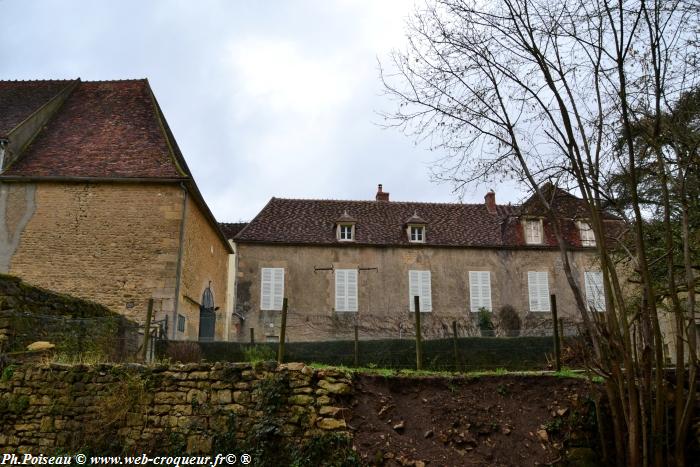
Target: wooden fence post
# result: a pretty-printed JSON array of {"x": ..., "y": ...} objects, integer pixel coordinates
[
  {"x": 419, "y": 350},
  {"x": 147, "y": 329},
  {"x": 252, "y": 335},
  {"x": 283, "y": 332},
  {"x": 357, "y": 347},
  {"x": 555, "y": 325},
  {"x": 454, "y": 342}
]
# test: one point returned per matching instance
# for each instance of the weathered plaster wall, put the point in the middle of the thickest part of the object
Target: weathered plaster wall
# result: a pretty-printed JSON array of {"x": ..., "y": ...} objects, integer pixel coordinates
[
  {"x": 115, "y": 244},
  {"x": 383, "y": 294},
  {"x": 204, "y": 263},
  {"x": 193, "y": 408},
  {"x": 17, "y": 206}
]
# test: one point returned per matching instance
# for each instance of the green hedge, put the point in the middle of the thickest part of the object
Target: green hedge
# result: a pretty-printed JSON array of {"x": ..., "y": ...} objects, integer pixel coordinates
[{"x": 474, "y": 353}]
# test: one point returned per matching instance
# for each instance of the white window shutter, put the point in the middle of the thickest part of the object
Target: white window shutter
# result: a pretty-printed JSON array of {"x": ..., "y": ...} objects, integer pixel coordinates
[
  {"x": 538, "y": 290},
  {"x": 351, "y": 290},
  {"x": 340, "y": 289},
  {"x": 414, "y": 283},
  {"x": 474, "y": 291},
  {"x": 595, "y": 293},
  {"x": 266, "y": 289},
  {"x": 278, "y": 295},
  {"x": 544, "y": 292},
  {"x": 532, "y": 290},
  {"x": 486, "y": 290},
  {"x": 479, "y": 290},
  {"x": 271, "y": 288},
  {"x": 426, "y": 300},
  {"x": 345, "y": 290}
]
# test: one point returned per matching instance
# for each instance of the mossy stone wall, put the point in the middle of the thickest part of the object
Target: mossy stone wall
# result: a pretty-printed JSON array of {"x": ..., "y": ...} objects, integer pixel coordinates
[
  {"x": 192, "y": 408},
  {"x": 29, "y": 314}
]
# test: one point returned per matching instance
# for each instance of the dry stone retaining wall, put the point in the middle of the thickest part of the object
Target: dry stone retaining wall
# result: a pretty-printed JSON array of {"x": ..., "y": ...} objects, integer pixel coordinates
[{"x": 193, "y": 408}]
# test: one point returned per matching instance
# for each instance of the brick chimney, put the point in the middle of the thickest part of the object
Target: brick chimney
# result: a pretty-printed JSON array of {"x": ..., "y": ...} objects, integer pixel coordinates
[
  {"x": 381, "y": 195},
  {"x": 490, "y": 199}
]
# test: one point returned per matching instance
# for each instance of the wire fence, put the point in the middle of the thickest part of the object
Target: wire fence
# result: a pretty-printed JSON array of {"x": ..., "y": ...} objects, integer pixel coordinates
[
  {"x": 467, "y": 342},
  {"x": 302, "y": 327}
]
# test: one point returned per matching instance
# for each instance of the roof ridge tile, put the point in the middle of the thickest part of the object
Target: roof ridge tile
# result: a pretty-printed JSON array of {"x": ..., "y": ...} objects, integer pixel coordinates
[{"x": 371, "y": 201}]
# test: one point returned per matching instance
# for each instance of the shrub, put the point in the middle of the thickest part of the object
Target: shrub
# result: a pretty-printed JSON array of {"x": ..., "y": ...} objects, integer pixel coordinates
[
  {"x": 184, "y": 352},
  {"x": 484, "y": 322},
  {"x": 509, "y": 321},
  {"x": 259, "y": 353}
]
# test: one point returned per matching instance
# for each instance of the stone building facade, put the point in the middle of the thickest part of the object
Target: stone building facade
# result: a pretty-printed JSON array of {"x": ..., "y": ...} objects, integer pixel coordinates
[
  {"x": 343, "y": 264},
  {"x": 97, "y": 201}
]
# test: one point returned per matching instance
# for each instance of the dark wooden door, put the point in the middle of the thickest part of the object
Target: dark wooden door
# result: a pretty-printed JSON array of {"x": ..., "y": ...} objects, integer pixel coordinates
[{"x": 207, "y": 324}]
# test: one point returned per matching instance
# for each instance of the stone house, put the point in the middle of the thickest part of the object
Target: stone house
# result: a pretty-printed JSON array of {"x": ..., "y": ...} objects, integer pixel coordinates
[
  {"x": 343, "y": 264},
  {"x": 97, "y": 201}
]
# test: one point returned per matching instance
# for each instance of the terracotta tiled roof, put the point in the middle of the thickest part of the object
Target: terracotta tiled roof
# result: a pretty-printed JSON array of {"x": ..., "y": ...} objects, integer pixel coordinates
[
  {"x": 415, "y": 219},
  {"x": 304, "y": 221},
  {"x": 345, "y": 217},
  {"x": 19, "y": 99},
  {"x": 230, "y": 229},
  {"x": 378, "y": 223},
  {"x": 104, "y": 129},
  {"x": 565, "y": 204}
]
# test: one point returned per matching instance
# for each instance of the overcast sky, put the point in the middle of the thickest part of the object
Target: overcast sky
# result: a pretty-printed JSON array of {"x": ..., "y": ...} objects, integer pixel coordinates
[{"x": 265, "y": 98}]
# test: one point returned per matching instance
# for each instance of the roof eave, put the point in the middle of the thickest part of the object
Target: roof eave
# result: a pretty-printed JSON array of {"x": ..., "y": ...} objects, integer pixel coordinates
[{"x": 90, "y": 179}]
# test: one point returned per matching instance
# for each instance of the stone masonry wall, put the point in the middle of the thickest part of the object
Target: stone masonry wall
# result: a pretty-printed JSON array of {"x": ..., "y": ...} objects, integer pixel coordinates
[
  {"x": 192, "y": 408},
  {"x": 204, "y": 264},
  {"x": 115, "y": 244}
]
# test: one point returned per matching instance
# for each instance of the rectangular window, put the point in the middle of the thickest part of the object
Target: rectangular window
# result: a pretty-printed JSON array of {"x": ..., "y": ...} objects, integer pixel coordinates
[
  {"x": 419, "y": 284},
  {"x": 587, "y": 235},
  {"x": 533, "y": 231},
  {"x": 595, "y": 292},
  {"x": 345, "y": 232},
  {"x": 272, "y": 288},
  {"x": 417, "y": 233},
  {"x": 538, "y": 287},
  {"x": 180, "y": 323},
  {"x": 479, "y": 290},
  {"x": 345, "y": 289}
]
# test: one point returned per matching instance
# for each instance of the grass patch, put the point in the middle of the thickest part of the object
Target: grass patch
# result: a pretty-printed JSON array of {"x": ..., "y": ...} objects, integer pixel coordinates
[{"x": 391, "y": 372}]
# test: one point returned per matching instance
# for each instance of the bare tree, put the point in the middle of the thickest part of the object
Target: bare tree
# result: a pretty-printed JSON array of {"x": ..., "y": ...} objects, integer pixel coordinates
[{"x": 554, "y": 91}]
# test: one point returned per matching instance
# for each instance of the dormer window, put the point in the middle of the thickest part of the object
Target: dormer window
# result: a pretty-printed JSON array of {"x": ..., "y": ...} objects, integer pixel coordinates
[
  {"x": 417, "y": 233},
  {"x": 415, "y": 228},
  {"x": 587, "y": 234},
  {"x": 346, "y": 232},
  {"x": 345, "y": 228},
  {"x": 533, "y": 231}
]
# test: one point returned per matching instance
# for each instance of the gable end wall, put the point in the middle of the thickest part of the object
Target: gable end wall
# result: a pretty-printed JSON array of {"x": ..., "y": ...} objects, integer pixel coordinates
[{"x": 115, "y": 244}]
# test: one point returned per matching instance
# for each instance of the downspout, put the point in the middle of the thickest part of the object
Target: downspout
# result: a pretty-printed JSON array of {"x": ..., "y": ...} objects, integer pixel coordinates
[{"x": 178, "y": 273}]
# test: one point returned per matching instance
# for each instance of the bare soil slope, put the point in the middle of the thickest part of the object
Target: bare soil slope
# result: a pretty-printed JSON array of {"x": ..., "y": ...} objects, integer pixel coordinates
[{"x": 496, "y": 420}]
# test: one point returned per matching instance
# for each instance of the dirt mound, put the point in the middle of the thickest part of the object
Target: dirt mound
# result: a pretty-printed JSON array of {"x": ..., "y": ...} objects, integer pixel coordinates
[{"x": 496, "y": 420}]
